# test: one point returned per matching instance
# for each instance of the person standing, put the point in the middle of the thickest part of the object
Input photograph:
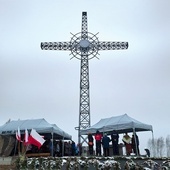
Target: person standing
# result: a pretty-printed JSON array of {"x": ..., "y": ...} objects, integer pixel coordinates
[
  {"x": 73, "y": 148},
  {"x": 61, "y": 148},
  {"x": 69, "y": 148},
  {"x": 51, "y": 147},
  {"x": 115, "y": 142},
  {"x": 90, "y": 143},
  {"x": 79, "y": 146},
  {"x": 135, "y": 144},
  {"x": 127, "y": 141},
  {"x": 147, "y": 152},
  {"x": 105, "y": 142},
  {"x": 57, "y": 149},
  {"x": 98, "y": 137}
]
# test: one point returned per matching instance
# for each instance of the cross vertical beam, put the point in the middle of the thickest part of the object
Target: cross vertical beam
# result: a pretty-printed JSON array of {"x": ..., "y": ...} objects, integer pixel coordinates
[{"x": 84, "y": 108}]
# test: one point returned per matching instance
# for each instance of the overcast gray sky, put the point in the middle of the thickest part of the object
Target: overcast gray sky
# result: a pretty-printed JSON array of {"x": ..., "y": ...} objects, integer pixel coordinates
[{"x": 45, "y": 84}]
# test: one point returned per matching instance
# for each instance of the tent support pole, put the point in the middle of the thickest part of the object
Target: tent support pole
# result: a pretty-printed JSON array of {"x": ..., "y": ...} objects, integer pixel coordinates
[
  {"x": 63, "y": 145},
  {"x": 134, "y": 133},
  {"x": 52, "y": 143},
  {"x": 153, "y": 143}
]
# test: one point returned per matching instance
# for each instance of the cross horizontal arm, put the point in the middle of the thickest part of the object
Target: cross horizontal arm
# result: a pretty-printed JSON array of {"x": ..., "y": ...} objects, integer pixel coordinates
[
  {"x": 56, "y": 46},
  {"x": 108, "y": 45}
]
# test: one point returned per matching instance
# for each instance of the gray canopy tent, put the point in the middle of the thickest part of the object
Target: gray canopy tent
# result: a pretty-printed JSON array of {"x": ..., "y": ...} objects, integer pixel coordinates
[
  {"x": 40, "y": 125},
  {"x": 50, "y": 131},
  {"x": 121, "y": 124}
]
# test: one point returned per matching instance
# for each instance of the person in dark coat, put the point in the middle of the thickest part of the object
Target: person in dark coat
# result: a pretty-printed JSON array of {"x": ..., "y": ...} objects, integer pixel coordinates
[
  {"x": 98, "y": 138},
  {"x": 105, "y": 142},
  {"x": 147, "y": 152},
  {"x": 115, "y": 142},
  {"x": 73, "y": 148},
  {"x": 90, "y": 143},
  {"x": 135, "y": 144}
]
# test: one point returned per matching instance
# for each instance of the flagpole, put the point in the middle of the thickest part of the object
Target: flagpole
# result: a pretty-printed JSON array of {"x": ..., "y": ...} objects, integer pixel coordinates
[
  {"x": 19, "y": 148},
  {"x": 16, "y": 142},
  {"x": 52, "y": 147},
  {"x": 18, "y": 137}
]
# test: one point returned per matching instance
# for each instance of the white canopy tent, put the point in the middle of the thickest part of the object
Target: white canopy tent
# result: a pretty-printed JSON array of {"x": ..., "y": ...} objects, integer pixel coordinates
[{"x": 121, "y": 124}]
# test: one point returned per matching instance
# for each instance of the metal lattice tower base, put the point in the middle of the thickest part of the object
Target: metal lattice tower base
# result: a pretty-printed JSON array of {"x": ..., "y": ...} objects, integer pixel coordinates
[{"x": 84, "y": 46}]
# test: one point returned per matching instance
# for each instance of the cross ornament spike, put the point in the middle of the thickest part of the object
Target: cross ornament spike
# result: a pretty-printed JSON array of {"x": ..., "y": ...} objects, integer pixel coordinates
[{"x": 84, "y": 46}]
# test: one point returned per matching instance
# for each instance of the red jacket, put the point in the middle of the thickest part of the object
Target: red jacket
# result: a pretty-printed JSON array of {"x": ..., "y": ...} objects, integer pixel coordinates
[{"x": 98, "y": 136}]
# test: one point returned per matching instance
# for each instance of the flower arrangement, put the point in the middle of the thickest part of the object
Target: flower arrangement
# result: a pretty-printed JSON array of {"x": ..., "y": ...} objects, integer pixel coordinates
[{"x": 91, "y": 163}]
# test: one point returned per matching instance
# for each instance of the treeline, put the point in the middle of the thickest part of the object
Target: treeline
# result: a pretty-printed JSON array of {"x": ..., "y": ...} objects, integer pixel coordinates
[{"x": 159, "y": 147}]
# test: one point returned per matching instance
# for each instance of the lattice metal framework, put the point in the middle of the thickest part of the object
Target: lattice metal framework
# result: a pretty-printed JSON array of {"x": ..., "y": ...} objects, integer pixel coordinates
[{"x": 84, "y": 46}]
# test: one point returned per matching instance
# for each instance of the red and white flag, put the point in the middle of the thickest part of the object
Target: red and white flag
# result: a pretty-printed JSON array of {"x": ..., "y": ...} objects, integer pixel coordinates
[
  {"x": 35, "y": 139},
  {"x": 18, "y": 135},
  {"x": 26, "y": 137}
]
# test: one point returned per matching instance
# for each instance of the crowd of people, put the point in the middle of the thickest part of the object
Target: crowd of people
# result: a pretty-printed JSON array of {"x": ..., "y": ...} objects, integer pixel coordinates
[
  {"x": 57, "y": 148},
  {"x": 103, "y": 141},
  {"x": 106, "y": 141},
  {"x": 68, "y": 148}
]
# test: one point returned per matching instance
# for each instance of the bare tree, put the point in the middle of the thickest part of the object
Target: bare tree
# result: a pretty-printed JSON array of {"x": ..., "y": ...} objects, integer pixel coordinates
[
  {"x": 168, "y": 145},
  {"x": 152, "y": 147},
  {"x": 157, "y": 146},
  {"x": 160, "y": 146}
]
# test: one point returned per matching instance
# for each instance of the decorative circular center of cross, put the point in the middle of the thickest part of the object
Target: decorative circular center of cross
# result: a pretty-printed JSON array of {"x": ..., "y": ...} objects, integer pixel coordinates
[
  {"x": 84, "y": 43},
  {"x": 84, "y": 46}
]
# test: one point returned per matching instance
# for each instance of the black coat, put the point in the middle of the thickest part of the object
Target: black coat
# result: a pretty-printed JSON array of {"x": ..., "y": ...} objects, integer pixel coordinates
[{"x": 115, "y": 137}]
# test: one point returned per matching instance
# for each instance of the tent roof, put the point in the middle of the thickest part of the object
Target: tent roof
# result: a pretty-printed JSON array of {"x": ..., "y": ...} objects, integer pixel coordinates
[
  {"x": 122, "y": 124},
  {"x": 40, "y": 125}
]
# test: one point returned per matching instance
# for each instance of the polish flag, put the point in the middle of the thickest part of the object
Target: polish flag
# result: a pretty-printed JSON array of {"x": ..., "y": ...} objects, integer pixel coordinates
[
  {"x": 35, "y": 139},
  {"x": 18, "y": 135},
  {"x": 26, "y": 137}
]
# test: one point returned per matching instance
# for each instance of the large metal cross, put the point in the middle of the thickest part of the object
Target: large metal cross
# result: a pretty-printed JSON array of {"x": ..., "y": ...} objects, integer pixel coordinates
[{"x": 84, "y": 46}]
